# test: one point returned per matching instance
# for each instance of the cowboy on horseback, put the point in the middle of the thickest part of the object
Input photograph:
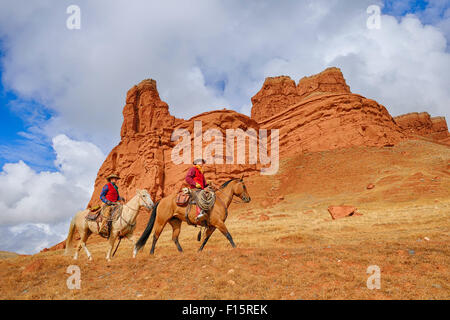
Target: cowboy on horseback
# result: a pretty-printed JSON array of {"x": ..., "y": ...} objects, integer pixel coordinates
[
  {"x": 110, "y": 196},
  {"x": 196, "y": 180}
]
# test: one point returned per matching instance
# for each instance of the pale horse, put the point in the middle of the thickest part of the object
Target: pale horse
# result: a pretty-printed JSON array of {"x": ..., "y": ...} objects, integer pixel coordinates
[{"x": 123, "y": 226}]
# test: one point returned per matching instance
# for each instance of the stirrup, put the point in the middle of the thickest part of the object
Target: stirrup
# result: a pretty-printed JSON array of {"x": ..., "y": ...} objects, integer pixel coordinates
[{"x": 200, "y": 216}]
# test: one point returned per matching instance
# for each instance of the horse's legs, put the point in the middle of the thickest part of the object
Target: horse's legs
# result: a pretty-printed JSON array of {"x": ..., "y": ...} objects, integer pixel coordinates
[
  {"x": 87, "y": 251},
  {"x": 221, "y": 226},
  {"x": 158, "y": 229},
  {"x": 84, "y": 238},
  {"x": 77, "y": 249},
  {"x": 112, "y": 239},
  {"x": 84, "y": 235},
  {"x": 176, "y": 226},
  {"x": 130, "y": 236},
  {"x": 208, "y": 234}
]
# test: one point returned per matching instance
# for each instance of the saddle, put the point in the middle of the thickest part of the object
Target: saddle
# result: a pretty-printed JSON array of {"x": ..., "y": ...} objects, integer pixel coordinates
[
  {"x": 97, "y": 217},
  {"x": 204, "y": 199},
  {"x": 183, "y": 197}
]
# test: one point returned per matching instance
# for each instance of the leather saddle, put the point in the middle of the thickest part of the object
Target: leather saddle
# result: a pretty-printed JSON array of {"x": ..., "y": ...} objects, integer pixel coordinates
[
  {"x": 182, "y": 199},
  {"x": 196, "y": 196},
  {"x": 93, "y": 214},
  {"x": 97, "y": 217}
]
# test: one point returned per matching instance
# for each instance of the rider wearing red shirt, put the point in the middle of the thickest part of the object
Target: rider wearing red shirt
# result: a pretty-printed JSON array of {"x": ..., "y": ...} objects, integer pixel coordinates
[
  {"x": 110, "y": 196},
  {"x": 196, "y": 180}
]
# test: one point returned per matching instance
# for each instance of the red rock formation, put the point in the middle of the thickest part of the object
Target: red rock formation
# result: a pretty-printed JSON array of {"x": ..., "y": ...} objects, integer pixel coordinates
[
  {"x": 423, "y": 125},
  {"x": 329, "y": 81},
  {"x": 320, "y": 113},
  {"x": 278, "y": 93},
  {"x": 327, "y": 116},
  {"x": 143, "y": 157},
  {"x": 139, "y": 157},
  {"x": 338, "y": 212}
]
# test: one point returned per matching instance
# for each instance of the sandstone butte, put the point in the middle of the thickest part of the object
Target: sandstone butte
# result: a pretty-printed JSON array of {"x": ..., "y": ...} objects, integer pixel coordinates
[{"x": 317, "y": 114}]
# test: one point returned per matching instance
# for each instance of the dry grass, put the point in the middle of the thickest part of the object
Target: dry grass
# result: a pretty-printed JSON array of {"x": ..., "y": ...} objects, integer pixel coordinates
[{"x": 299, "y": 252}]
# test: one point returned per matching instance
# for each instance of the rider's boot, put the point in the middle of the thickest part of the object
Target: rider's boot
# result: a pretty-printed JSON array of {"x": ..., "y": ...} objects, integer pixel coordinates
[{"x": 201, "y": 216}]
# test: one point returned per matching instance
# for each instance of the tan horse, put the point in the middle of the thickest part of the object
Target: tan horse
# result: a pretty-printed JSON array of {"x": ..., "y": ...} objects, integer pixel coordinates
[
  {"x": 123, "y": 226},
  {"x": 166, "y": 210}
]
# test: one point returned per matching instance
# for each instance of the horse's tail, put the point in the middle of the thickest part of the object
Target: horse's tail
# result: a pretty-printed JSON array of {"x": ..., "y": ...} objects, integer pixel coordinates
[
  {"x": 143, "y": 239},
  {"x": 70, "y": 236}
]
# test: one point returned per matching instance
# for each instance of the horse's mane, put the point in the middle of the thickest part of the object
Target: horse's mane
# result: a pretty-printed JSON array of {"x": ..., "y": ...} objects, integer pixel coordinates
[{"x": 226, "y": 183}]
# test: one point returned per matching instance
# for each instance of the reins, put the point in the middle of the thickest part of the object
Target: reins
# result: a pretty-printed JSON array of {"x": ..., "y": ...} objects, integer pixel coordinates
[
  {"x": 131, "y": 225},
  {"x": 232, "y": 197}
]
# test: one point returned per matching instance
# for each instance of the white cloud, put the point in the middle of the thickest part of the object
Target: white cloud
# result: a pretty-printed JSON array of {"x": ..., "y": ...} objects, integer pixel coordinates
[
  {"x": 39, "y": 205},
  {"x": 83, "y": 75},
  {"x": 30, "y": 238}
]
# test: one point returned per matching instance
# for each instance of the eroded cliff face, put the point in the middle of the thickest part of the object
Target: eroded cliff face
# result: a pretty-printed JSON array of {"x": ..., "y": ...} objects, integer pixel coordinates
[
  {"x": 423, "y": 125},
  {"x": 319, "y": 113},
  {"x": 145, "y": 136},
  {"x": 144, "y": 159},
  {"x": 331, "y": 121},
  {"x": 278, "y": 93}
]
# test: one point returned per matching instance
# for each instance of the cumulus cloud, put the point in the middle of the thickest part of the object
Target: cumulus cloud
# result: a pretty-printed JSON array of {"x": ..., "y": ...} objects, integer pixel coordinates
[
  {"x": 35, "y": 207},
  {"x": 211, "y": 54}
]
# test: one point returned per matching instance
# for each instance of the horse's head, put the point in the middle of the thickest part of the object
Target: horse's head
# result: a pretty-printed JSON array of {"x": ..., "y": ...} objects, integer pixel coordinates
[
  {"x": 145, "y": 199},
  {"x": 240, "y": 190}
]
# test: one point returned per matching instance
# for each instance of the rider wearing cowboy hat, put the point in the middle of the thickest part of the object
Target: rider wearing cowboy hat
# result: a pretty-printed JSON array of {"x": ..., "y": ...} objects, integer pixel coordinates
[
  {"x": 110, "y": 196},
  {"x": 196, "y": 180}
]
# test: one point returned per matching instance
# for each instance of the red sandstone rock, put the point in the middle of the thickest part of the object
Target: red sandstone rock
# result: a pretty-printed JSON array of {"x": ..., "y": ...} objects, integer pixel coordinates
[
  {"x": 320, "y": 113},
  {"x": 338, "y": 212},
  {"x": 61, "y": 245},
  {"x": 370, "y": 186},
  {"x": 143, "y": 156},
  {"x": 423, "y": 125},
  {"x": 331, "y": 121},
  {"x": 278, "y": 93},
  {"x": 330, "y": 80}
]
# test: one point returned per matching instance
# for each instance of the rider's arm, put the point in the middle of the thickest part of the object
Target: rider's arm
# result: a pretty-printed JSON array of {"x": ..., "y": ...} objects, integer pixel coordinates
[
  {"x": 190, "y": 177},
  {"x": 103, "y": 194}
]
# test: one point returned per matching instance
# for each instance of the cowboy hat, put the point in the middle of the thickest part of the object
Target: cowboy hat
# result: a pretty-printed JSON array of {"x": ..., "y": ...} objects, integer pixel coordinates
[
  {"x": 112, "y": 176},
  {"x": 196, "y": 161}
]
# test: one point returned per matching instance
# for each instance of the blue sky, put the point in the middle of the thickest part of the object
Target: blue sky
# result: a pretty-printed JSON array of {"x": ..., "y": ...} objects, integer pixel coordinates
[
  {"x": 10, "y": 122},
  {"x": 400, "y": 8},
  {"x": 16, "y": 141}
]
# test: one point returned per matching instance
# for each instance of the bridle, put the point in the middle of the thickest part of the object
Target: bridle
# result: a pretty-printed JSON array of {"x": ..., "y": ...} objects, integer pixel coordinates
[
  {"x": 149, "y": 207},
  {"x": 132, "y": 225},
  {"x": 232, "y": 199}
]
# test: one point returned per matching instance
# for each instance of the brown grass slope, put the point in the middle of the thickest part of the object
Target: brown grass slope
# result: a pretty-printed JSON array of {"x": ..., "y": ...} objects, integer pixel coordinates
[{"x": 288, "y": 245}]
